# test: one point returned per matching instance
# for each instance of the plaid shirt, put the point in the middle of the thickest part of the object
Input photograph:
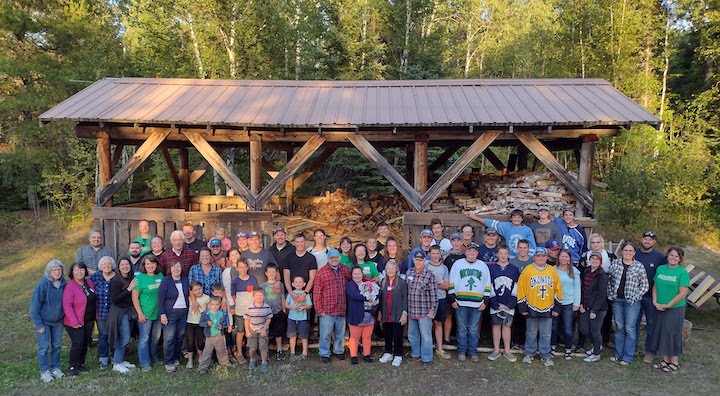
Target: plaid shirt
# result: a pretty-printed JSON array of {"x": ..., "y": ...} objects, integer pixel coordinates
[
  {"x": 329, "y": 290},
  {"x": 636, "y": 282},
  {"x": 187, "y": 258},
  {"x": 90, "y": 256},
  {"x": 206, "y": 280},
  {"x": 102, "y": 292},
  {"x": 422, "y": 293}
]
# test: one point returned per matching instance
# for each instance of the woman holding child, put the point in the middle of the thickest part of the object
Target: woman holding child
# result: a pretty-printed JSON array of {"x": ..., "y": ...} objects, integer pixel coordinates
[{"x": 359, "y": 316}]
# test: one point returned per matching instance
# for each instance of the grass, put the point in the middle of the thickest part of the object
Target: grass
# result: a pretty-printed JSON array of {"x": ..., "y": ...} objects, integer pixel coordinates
[{"x": 23, "y": 259}]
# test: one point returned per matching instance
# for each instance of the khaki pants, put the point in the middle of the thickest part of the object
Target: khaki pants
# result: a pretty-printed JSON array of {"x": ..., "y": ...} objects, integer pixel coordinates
[
  {"x": 256, "y": 342},
  {"x": 214, "y": 343}
]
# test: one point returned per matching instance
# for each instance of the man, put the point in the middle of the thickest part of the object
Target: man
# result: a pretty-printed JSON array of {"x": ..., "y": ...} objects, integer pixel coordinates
[
  {"x": 258, "y": 258},
  {"x": 422, "y": 307},
  {"x": 456, "y": 253},
  {"x": 513, "y": 230},
  {"x": 242, "y": 241},
  {"x": 436, "y": 226},
  {"x": 383, "y": 232},
  {"x": 145, "y": 236},
  {"x": 442, "y": 277},
  {"x": 135, "y": 252},
  {"x": 426, "y": 239},
  {"x": 191, "y": 242},
  {"x": 523, "y": 258},
  {"x": 544, "y": 228},
  {"x": 539, "y": 300},
  {"x": 302, "y": 263},
  {"x": 178, "y": 252},
  {"x": 468, "y": 235},
  {"x": 650, "y": 258},
  {"x": 157, "y": 245},
  {"x": 489, "y": 248},
  {"x": 553, "y": 250},
  {"x": 217, "y": 254},
  {"x": 469, "y": 293},
  {"x": 573, "y": 236},
  {"x": 91, "y": 254},
  {"x": 280, "y": 249},
  {"x": 330, "y": 303}
]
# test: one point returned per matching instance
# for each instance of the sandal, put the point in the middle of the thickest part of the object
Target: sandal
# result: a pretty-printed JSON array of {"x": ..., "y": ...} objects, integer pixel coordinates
[
  {"x": 670, "y": 368},
  {"x": 614, "y": 359},
  {"x": 568, "y": 355},
  {"x": 661, "y": 365}
]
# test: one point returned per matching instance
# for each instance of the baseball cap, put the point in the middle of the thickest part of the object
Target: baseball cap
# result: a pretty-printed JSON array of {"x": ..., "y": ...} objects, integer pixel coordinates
[
  {"x": 215, "y": 242},
  {"x": 279, "y": 228},
  {"x": 419, "y": 255},
  {"x": 596, "y": 254},
  {"x": 541, "y": 250},
  {"x": 333, "y": 253},
  {"x": 568, "y": 208},
  {"x": 552, "y": 244},
  {"x": 649, "y": 234},
  {"x": 455, "y": 235},
  {"x": 544, "y": 207},
  {"x": 473, "y": 245},
  {"x": 241, "y": 234},
  {"x": 254, "y": 234},
  {"x": 490, "y": 230},
  {"x": 426, "y": 233}
]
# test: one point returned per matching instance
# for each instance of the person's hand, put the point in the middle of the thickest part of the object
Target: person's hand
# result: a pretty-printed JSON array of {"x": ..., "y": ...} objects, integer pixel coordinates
[
  {"x": 431, "y": 315},
  {"x": 195, "y": 307},
  {"x": 299, "y": 297},
  {"x": 263, "y": 333},
  {"x": 132, "y": 285},
  {"x": 524, "y": 313},
  {"x": 379, "y": 316},
  {"x": 209, "y": 323},
  {"x": 141, "y": 317},
  {"x": 454, "y": 305},
  {"x": 276, "y": 288},
  {"x": 555, "y": 314},
  {"x": 78, "y": 326},
  {"x": 582, "y": 309},
  {"x": 248, "y": 334},
  {"x": 403, "y": 320},
  {"x": 481, "y": 307},
  {"x": 575, "y": 308},
  {"x": 163, "y": 319},
  {"x": 41, "y": 330},
  {"x": 229, "y": 329},
  {"x": 232, "y": 311},
  {"x": 593, "y": 315}
]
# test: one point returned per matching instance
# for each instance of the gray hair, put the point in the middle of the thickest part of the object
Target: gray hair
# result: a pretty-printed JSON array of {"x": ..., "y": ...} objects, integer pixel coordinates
[
  {"x": 95, "y": 231},
  {"x": 177, "y": 232},
  {"x": 52, "y": 264},
  {"x": 113, "y": 265}
]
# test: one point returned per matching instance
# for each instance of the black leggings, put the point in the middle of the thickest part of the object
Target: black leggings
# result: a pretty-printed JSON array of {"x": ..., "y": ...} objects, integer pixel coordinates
[
  {"x": 194, "y": 337},
  {"x": 393, "y": 332},
  {"x": 79, "y": 343},
  {"x": 592, "y": 328}
]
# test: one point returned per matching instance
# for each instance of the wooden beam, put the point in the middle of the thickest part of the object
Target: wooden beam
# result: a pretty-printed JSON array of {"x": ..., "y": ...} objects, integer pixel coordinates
[
  {"x": 142, "y": 153},
  {"x": 171, "y": 166},
  {"x": 217, "y": 163},
  {"x": 117, "y": 153},
  {"x": 587, "y": 156},
  {"x": 255, "y": 164},
  {"x": 314, "y": 166},
  {"x": 420, "y": 163},
  {"x": 203, "y": 167},
  {"x": 269, "y": 168},
  {"x": 386, "y": 169},
  {"x": 547, "y": 158},
  {"x": 522, "y": 158},
  {"x": 289, "y": 169},
  {"x": 184, "y": 179},
  {"x": 457, "y": 168},
  {"x": 105, "y": 169},
  {"x": 443, "y": 158},
  {"x": 494, "y": 160},
  {"x": 409, "y": 162},
  {"x": 290, "y": 183}
]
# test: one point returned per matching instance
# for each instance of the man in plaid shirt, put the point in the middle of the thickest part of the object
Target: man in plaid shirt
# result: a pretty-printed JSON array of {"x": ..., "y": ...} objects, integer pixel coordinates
[
  {"x": 330, "y": 304},
  {"x": 422, "y": 306},
  {"x": 178, "y": 252}
]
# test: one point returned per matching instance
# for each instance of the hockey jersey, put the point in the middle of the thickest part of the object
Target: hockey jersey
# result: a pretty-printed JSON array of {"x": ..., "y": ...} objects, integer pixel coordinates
[
  {"x": 539, "y": 291},
  {"x": 469, "y": 283},
  {"x": 504, "y": 287}
]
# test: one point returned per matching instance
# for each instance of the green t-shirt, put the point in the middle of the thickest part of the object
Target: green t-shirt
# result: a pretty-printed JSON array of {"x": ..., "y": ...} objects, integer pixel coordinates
[
  {"x": 369, "y": 269},
  {"x": 345, "y": 259},
  {"x": 668, "y": 282},
  {"x": 145, "y": 243},
  {"x": 148, "y": 287}
]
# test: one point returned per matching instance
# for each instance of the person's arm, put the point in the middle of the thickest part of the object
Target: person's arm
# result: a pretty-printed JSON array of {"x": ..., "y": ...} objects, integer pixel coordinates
[
  {"x": 162, "y": 294},
  {"x": 576, "y": 288},
  {"x": 403, "y": 301},
  {"x": 433, "y": 290},
  {"x": 136, "y": 303},
  {"x": 558, "y": 295},
  {"x": 286, "y": 279},
  {"x": 248, "y": 332},
  {"x": 318, "y": 292},
  {"x": 522, "y": 295},
  {"x": 205, "y": 320},
  {"x": 475, "y": 217},
  {"x": 68, "y": 303},
  {"x": 451, "y": 288},
  {"x": 311, "y": 281},
  {"x": 644, "y": 284},
  {"x": 36, "y": 306},
  {"x": 353, "y": 292}
]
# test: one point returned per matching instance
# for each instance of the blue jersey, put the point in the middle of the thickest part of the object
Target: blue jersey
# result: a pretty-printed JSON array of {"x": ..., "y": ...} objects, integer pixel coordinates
[
  {"x": 513, "y": 234},
  {"x": 574, "y": 239}
]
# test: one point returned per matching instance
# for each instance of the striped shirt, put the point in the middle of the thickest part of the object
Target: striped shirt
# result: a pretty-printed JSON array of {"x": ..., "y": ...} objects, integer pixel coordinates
[
  {"x": 90, "y": 257},
  {"x": 257, "y": 316},
  {"x": 422, "y": 293}
]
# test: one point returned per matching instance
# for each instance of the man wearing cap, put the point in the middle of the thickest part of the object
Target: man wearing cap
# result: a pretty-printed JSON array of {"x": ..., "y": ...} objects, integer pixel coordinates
[
  {"x": 242, "y": 241},
  {"x": 487, "y": 252},
  {"x": 178, "y": 252},
  {"x": 456, "y": 253},
  {"x": 422, "y": 307},
  {"x": 512, "y": 230},
  {"x": 330, "y": 303},
  {"x": 553, "y": 250},
  {"x": 544, "y": 228},
  {"x": 145, "y": 236},
  {"x": 651, "y": 259},
  {"x": 574, "y": 238},
  {"x": 191, "y": 242},
  {"x": 91, "y": 254},
  {"x": 469, "y": 294},
  {"x": 426, "y": 239},
  {"x": 539, "y": 300},
  {"x": 257, "y": 257},
  {"x": 280, "y": 249},
  {"x": 217, "y": 254}
]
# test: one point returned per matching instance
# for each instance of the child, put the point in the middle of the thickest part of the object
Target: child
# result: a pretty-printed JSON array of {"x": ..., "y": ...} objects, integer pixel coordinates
[
  {"x": 221, "y": 234},
  {"x": 194, "y": 335},
  {"x": 219, "y": 291},
  {"x": 275, "y": 298},
  {"x": 257, "y": 322},
  {"x": 241, "y": 289},
  {"x": 503, "y": 299},
  {"x": 298, "y": 320},
  {"x": 214, "y": 321}
]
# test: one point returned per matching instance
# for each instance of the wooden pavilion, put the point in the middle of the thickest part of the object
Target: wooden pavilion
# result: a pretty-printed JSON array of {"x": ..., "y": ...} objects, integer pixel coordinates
[{"x": 300, "y": 118}]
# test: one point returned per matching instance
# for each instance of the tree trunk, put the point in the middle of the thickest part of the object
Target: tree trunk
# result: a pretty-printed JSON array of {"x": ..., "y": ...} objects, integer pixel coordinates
[
  {"x": 196, "y": 46},
  {"x": 666, "y": 70},
  {"x": 406, "y": 47}
]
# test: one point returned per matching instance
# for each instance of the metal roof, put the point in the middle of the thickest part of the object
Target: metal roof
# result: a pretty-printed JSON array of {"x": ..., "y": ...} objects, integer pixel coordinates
[{"x": 327, "y": 104}]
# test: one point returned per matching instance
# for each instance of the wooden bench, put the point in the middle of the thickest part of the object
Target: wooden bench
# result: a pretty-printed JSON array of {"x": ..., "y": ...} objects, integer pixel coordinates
[{"x": 703, "y": 286}]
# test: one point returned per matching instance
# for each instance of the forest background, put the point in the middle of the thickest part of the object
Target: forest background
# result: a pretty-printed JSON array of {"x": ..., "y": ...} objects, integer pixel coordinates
[{"x": 663, "y": 54}]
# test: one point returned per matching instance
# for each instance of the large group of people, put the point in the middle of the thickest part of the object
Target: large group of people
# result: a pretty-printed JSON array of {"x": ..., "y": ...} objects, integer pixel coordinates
[{"x": 212, "y": 301}]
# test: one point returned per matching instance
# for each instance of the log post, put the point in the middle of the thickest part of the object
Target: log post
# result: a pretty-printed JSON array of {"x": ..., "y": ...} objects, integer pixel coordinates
[
  {"x": 585, "y": 168},
  {"x": 420, "y": 165},
  {"x": 184, "y": 180},
  {"x": 522, "y": 158},
  {"x": 255, "y": 164},
  {"x": 289, "y": 185},
  {"x": 104, "y": 159},
  {"x": 409, "y": 162}
]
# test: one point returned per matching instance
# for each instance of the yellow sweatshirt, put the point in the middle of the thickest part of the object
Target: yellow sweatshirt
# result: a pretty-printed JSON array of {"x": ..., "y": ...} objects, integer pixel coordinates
[{"x": 539, "y": 291}]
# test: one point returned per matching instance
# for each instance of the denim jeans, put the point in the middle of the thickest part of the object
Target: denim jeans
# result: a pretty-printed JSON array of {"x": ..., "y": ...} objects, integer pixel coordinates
[
  {"x": 647, "y": 306},
  {"x": 626, "y": 317},
  {"x": 50, "y": 339},
  {"x": 148, "y": 342},
  {"x": 173, "y": 334},
  {"x": 564, "y": 322},
  {"x": 331, "y": 325},
  {"x": 102, "y": 341},
  {"x": 123, "y": 339},
  {"x": 537, "y": 336},
  {"x": 468, "y": 320},
  {"x": 420, "y": 337}
]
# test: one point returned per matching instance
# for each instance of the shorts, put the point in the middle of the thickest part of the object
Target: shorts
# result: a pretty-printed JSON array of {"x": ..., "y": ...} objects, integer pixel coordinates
[
  {"x": 298, "y": 328},
  {"x": 441, "y": 310},
  {"x": 501, "y": 318},
  {"x": 239, "y": 322},
  {"x": 257, "y": 342},
  {"x": 278, "y": 324}
]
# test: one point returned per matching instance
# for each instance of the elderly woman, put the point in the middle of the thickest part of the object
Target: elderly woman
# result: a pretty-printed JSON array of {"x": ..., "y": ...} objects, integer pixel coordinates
[
  {"x": 627, "y": 283},
  {"x": 359, "y": 318},
  {"x": 145, "y": 301},
  {"x": 173, "y": 308},
  {"x": 121, "y": 314},
  {"x": 79, "y": 304},
  {"x": 393, "y": 313},
  {"x": 46, "y": 312},
  {"x": 669, "y": 291},
  {"x": 101, "y": 279}
]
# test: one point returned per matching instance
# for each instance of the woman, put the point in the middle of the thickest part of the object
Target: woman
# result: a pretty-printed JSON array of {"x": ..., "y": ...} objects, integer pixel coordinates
[
  {"x": 101, "y": 280},
  {"x": 319, "y": 249},
  {"x": 669, "y": 291},
  {"x": 570, "y": 280},
  {"x": 344, "y": 249},
  {"x": 359, "y": 319},
  {"x": 596, "y": 244},
  {"x": 157, "y": 246},
  {"x": 359, "y": 258},
  {"x": 593, "y": 305},
  {"x": 79, "y": 305},
  {"x": 627, "y": 284},
  {"x": 173, "y": 308},
  {"x": 205, "y": 272},
  {"x": 121, "y": 314},
  {"x": 46, "y": 312},
  {"x": 145, "y": 301},
  {"x": 393, "y": 313},
  {"x": 392, "y": 252},
  {"x": 229, "y": 273}
]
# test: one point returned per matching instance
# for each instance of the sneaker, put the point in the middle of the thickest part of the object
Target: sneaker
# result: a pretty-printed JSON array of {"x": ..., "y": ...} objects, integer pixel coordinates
[
  {"x": 325, "y": 360},
  {"x": 443, "y": 355},
  {"x": 263, "y": 368},
  {"x": 510, "y": 357},
  {"x": 340, "y": 356},
  {"x": 589, "y": 352},
  {"x": 128, "y": 364},
  {"x": 548, "y": 362},
  {"x": 527, "y": 359},
  {"x": 253, "y": 365},
  {"x": 73, "y": 372},
  {"x": 462, "y": 357},
  {"x": 367, "y": 359},
  {"x": 568, "y": 354},
  {"x": 592, "y": 359},
  {"x": 146, "y": 369},
  {"x": 119, "y": 368},
  {"x": 104, "y": 365},
  {"x": 57, "y": 373},
  {"x": 189, "y": 364},
  {"x": 202, "y": 372},
  {"x": 170, "y": 368},
  {"x": 474, "y": 358},
  {"x": 241, "y": 359},
  {"x": 386, "y": 357},
  {"x": 297, "y": 358},
  {"x": 82, "y": 369},
  {"x": 413, "y": 359},
  {"x": 46, "y": 377},
  {"x": 280, "y": 355},
  {"x": 396, "y": 361},
  {"x": 425, "y": 365},
  {"x": 493, "y": 356},
  {"x": 354, "y": 360}
]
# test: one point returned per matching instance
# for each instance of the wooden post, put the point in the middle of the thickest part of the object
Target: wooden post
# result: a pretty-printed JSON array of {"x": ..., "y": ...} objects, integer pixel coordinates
[
  {"x": 420, "y": 165},
  {"x": 289, "y": 185},
  {"x": 184, "y": 180},
  {"x": 409, "y": 162},
  {"x": 587, "y": 157},
  {"x": 522, "y": 158},
  {"x": 104, "y": 159},
  {"x": 255, "y": 164}
]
